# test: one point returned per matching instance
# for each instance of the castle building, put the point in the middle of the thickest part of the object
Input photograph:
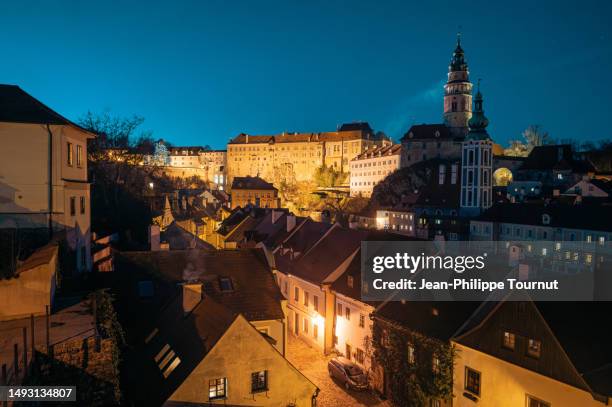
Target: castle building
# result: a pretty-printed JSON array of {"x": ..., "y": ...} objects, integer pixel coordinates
[
  {"x": 476, "y": 163},
  {"x": 295, "y": 156},
  {"x": 373, "y": 166},
  {"x": 444, "y": 140}
]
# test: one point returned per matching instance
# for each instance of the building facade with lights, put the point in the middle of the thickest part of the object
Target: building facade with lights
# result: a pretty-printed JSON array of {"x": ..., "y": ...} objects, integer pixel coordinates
[
  {"x": 371, "y": 167},
  {"x": 295, "y": 156}
]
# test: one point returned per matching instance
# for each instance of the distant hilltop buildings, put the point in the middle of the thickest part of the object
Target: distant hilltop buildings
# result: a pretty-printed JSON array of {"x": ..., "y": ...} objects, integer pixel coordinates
[{"x": 296, "y": 156}]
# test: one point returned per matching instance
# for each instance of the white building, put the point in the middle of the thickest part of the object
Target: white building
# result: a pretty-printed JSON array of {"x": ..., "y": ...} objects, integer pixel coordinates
[
  {"x": 399, "y": 221},
  {"x": 43, "y": 172},
  {"x": 371, "y": 167}
]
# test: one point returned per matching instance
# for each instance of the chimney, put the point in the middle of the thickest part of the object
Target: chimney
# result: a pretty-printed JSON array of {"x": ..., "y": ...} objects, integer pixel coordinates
[
  {"x": 247, "y": 138},
  {"x": 290, "y": 222},
  {"x": 154, "y": 238},
  {"x": 192, "y": 295},
  {"x": 276, "y": 215}
]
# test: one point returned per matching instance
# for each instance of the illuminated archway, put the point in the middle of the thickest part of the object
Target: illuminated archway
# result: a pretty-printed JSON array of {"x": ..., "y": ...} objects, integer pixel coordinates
[{"x": 502, "y": 177}]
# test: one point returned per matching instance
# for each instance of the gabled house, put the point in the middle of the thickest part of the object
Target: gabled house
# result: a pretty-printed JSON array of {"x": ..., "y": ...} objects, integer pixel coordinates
[
  {"x": 240, "y": 280},
  {"x": 202, "y": 353},
  {"x": 306, "y": 282},
  {"x": 535, "y": 354},
  {"x": 43, "y": 173}
]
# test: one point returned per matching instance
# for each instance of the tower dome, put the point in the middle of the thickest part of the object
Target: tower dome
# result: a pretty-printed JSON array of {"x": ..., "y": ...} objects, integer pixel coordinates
[{"x": 478, "y": 122}]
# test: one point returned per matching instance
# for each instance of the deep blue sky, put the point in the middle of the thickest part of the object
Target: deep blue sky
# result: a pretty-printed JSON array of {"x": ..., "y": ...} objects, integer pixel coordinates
[{"x": 201, "y": 72}]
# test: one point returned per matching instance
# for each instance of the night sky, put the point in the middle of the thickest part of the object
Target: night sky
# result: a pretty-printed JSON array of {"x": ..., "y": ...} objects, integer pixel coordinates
[{"x": 201, "y": 72}]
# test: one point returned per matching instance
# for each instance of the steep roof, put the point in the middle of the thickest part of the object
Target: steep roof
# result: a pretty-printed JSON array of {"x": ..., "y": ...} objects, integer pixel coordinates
[
  {"x": 428, "y": 132},
  {"x": 356, "y": 126},
  {"x": 582, "y": 216},
  {"x": 251, "y": 183},
  {"x": 435, "y": 319},
  {"x": 555, "y": 157},
  {"x": 18, "y": 106},
  {"x": 321, "y": 260},
  {"x": 254, "y": 295},
  {"x": 392, "y": 149},
  {"x": 190, "y": 337}
]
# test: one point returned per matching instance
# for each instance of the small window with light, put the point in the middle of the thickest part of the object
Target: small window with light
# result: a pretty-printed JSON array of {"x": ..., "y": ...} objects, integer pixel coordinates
[
  {"x": 534, "y": 348},
  {"x": 509, "y": 340}
]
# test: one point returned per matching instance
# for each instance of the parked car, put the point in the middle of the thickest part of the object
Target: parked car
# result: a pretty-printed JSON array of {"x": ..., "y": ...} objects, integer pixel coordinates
[{"x": 348, "y": 373}]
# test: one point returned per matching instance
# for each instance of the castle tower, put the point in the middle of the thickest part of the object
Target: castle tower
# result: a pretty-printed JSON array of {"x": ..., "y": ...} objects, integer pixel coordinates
[
  {"x": 458, "y": 93},
  {"x": 476, "y": 163}
]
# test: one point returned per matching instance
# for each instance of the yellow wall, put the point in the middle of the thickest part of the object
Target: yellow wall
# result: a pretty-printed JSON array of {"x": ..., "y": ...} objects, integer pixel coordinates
[
  {"x": 24, "y": 180},
  {"x": 30, "y": 293},
  {"x": 241, "y": 351},
  {"x": 506, "y": 385}
]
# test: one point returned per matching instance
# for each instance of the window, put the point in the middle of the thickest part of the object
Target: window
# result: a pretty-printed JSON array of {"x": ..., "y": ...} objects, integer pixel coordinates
[
  {"x": 225, "y": 284},
  {"x": 360, "y": 356},
  {"x": 435, "y": 403},
  {"x": 72, "y": 206},
  {"x": 534, "y": 348},
  {"x": 285, "y": 287},
  {"x": 472, "y": 381},
  {"x": 348, "y": 351},
  {"x": 306, "y": 323},
  {"x": 509, "y": 340},
  {"x": 435, "y": 364},
  {"x": 79, "y": 155},
  {"x": 347, "y": 312},
  {"x": 361, "y": 320},
  {"x": 69, "y": 154},
  {"x": 534, "y": 402},
  {"x": 259, "y": 381},
  {"x": 217, "y": 388},
  {"x": 315, "y": 331},
  {"x": 315, "y": 303},
  {"x": 339, "y": 309},
  {"x": 306, "y": 295},
  {"x": 82, "y": 206},
  {"x": 349, "y": 281},
  {"x": 296, "y": 294},
  {"x": 410, "y": 354}
]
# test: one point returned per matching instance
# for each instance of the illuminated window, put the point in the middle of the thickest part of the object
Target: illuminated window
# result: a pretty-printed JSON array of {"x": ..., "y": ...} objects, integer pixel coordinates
[
  {"x": 259, "y": 381},
  {"x": 509, "y": 340},
  {"x": 435, "y": 364},
  {"x": 217, "y": 388},
  {"x": 534, "y": 348},
  {"x": 472, "y": 381},
  {"x": 315, "y": 331},
  {"x": 349, "y": 281},
  {"x": 411, "y": 354}
]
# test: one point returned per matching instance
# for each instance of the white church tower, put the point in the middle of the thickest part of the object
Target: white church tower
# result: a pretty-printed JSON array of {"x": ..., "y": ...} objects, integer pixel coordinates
[{"x": 476, "y": 163}]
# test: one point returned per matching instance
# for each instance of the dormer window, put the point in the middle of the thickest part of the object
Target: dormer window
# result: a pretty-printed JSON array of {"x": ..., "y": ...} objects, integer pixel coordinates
[
  {"x": 225, "y": 284},
  {"x": 349, "y": 281},
  {"x": 546, "y": 219},
  {"x": 437, "y": 134}
]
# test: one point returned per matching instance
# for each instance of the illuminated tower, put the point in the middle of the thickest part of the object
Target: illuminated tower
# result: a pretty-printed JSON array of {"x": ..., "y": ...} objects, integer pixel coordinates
[
  {"x": 458, "y": 93},
  {"x": 476, "y": 163}
]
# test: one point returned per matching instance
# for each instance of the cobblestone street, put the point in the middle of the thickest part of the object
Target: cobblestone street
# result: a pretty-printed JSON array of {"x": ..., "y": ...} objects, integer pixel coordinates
[{"x": 313, "y": 364}]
